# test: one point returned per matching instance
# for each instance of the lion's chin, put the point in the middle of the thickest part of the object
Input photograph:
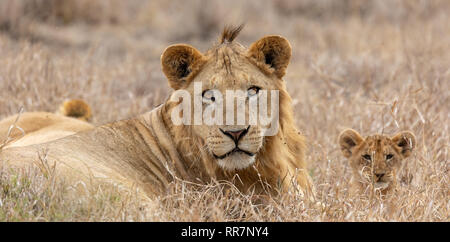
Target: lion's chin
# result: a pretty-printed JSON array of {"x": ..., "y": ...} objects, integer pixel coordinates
[{"x": 236, "y": 161}]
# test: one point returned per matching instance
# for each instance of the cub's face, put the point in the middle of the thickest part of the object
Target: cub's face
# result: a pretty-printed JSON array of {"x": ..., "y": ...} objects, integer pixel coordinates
[
  {"x": 376, "y": 158},
  {"x": 224, "y": 82}
]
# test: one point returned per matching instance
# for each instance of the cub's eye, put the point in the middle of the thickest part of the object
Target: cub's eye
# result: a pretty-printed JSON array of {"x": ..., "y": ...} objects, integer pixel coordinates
[
  {"x": 253, "y": 91},
  {"x": 208, "y": 96},
  {"x": 367, "y": 157},
  {"x": 389, "y": 156}
]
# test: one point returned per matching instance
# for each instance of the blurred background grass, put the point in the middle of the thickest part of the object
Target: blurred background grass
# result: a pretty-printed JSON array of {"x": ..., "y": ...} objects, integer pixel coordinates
[{"x": 375, "y": 66}]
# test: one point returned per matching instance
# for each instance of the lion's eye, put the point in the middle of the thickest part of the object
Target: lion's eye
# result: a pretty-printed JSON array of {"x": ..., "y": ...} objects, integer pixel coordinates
[
  {"x": 253, "y": 91},
  {"x": 389, "y": 156},
  {"x": 367, "y": 157},
  {"x": 208, "y": 96}
]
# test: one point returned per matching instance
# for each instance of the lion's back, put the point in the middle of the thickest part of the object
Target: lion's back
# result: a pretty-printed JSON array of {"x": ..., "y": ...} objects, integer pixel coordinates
[{"x": 39, "y": 127}]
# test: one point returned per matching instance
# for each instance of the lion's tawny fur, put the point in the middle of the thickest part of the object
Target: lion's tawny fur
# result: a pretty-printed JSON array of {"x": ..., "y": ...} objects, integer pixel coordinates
[
  {"x": 151, "y": 152},
  {"x": 76, "y": 108},
  {"x": 39, "y": 127}
]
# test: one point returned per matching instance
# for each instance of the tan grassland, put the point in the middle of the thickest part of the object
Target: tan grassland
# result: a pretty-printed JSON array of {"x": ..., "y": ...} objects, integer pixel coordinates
[{"x": 378, "y": 66}]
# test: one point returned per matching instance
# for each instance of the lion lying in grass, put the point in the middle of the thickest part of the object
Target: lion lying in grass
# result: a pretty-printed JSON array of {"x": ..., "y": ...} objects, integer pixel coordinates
[
  {"x": 40, "y": 127},
  {"x": 151, "y": 151}
]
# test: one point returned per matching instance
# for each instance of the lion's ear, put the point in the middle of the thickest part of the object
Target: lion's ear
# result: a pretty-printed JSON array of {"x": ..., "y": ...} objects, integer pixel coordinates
[
  {"x": 348, "y": 139},
  {"x": 406, "y": 141},
  {"x": 272, "y": 53},
  {"x": 179, "y": 62}
]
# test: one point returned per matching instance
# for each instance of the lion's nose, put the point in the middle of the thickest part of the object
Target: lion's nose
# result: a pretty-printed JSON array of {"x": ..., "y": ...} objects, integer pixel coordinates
[{"x": 235, "y": 135}]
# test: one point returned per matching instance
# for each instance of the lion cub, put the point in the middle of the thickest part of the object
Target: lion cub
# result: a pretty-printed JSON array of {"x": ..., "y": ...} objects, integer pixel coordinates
[{"x": 376, "y": 158}]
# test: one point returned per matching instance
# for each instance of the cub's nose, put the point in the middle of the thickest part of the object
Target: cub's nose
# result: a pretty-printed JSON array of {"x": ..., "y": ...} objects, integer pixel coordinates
[
  {"x": 235, "y": 135},
  {"x": 379, "y": 175}
]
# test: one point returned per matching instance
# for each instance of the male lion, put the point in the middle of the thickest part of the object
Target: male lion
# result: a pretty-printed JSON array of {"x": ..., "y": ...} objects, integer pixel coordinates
[
  {"x": 376, "y": 158},
  {"x": 39, "y": 127},
  {"x": 151, "y": 151}
]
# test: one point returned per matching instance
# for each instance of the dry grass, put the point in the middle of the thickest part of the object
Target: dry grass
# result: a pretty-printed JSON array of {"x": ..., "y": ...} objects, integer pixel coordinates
[{"x": 375, "y": 66}]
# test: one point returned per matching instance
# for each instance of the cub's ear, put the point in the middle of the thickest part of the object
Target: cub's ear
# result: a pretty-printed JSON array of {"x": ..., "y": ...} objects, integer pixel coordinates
[
  {"x": 348, "y": 139},
  {"x": 271, "y": 54},
  {"x": 405, "y": 141},
  {"x": 180, "y": 62}
]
